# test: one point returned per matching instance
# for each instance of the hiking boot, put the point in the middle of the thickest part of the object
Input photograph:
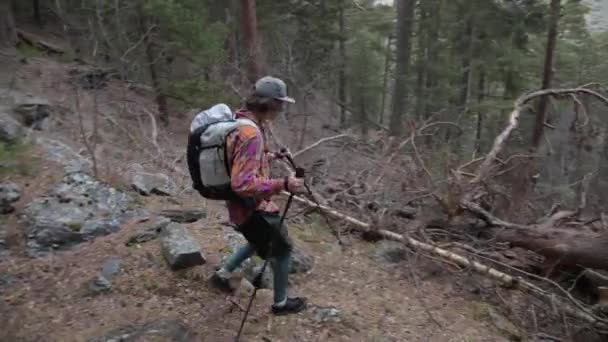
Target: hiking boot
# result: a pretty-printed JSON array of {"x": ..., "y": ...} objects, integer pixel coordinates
[
  {"x": 221, "y": 283},
  {"x": 292, "y": 306}
]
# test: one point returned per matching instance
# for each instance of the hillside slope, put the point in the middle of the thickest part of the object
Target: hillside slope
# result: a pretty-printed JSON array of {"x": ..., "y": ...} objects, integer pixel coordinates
[{"x": 358, "y": 292}]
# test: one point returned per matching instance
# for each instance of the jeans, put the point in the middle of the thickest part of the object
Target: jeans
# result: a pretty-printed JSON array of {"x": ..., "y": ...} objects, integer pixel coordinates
[{"x": 279, "y": 265}]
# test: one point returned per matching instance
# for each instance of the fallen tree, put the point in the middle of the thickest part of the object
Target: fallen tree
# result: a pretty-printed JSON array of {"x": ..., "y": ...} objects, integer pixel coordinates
[{"x": 569, "y": 304}]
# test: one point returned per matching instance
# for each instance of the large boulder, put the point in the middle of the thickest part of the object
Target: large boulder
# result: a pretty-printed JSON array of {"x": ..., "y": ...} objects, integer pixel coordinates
[
  {"x": 153, "y": 184},
  {"x": 160, "y": 331},
  {"x": 179, "y": 248},
  {"x": 33, "y": 112},
  {"x": 9, "y": 194},
  {"x": 10, "y": 130},
  {"x": 77, "y": 210},
  {"x": 148, "y": 231},
  {"x": 64, "y": 154}
]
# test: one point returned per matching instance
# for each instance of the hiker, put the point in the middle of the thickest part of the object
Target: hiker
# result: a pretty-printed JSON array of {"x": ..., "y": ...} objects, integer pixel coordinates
[{"x": 254, "y": 213}]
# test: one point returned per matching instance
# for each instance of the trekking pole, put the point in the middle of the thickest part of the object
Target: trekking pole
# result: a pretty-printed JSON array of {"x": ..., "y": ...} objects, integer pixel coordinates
[
  {"x": 300, "y": 171},
  {"x": 257, "y": 281}
]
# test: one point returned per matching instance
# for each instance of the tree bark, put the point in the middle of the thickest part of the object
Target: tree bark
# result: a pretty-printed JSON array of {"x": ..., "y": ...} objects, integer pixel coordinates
[
  {"x": 405, "y": 14},
  {"x": 465, "y": 89},
  {"x": 521, "y": 186},
  {"x": 422, "y": 60},
  {"x": 431, "y": 105},
  {"x": 480, "y": 97},
  {"x": 37, "y": 16},
  {"x": 8, "y": 31},
  {"x": 342, "y": 72},
  {"x": 541, "y": 115},
  {"x": 250, "y": 33},
  {"x": 161, "y": 99},
  {"x": 387, "y": 67}
]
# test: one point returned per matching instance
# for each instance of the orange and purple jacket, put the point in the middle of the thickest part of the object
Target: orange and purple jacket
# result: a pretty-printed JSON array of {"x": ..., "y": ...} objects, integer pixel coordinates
[{"x": 248, "y": 160}]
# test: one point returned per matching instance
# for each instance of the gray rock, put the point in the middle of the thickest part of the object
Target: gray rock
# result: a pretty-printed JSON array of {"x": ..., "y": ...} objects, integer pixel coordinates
[
  {"x": 76, "y": 210},
  {"x": 324, "y": 315},
  {"x": 9, "y": 194},
  {"x": 251, "y": 273},
  {"x": 391, "y": 251},
  {"x": 33, "y": 112},
  {"x": 148, "y": 231},
  {"x": 173, "y": 330},
  {"x": 103, "y": 281},
  {"x": 153, "y": 184},
  {"x": 101, "y": 227},
  {"x": 11, "y": 131},
  {"x": 5, "y": 281},
  {"x": 179, "y": 248},
  {"x": 185, "y": 215},
  {"x": 300, "y": 261},
  {"x": 64, "y": 154}
]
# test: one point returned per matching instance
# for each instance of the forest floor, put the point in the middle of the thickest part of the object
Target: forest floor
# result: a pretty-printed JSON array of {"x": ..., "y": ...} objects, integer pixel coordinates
[{"x": 45, "y": 298}]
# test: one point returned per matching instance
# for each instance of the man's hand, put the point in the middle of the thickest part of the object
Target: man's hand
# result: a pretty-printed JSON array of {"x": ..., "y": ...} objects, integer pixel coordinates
[{"x": 295, "y": 185}]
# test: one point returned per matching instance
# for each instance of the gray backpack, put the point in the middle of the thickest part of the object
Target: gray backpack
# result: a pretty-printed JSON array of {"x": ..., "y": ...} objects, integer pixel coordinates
[{"x": 206, "y": 154}]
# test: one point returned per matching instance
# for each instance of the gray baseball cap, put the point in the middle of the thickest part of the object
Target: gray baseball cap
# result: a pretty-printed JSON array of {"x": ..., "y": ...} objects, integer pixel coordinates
[{"x": 272, "y": 87}]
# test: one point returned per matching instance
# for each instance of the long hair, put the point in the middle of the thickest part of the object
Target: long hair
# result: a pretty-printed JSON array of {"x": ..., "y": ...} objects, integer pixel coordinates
[{"x": 260, "y": 104}]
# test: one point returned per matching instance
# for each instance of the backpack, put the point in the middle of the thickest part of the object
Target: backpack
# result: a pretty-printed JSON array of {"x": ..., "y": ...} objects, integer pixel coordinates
[{"x": 207, "y": 155}]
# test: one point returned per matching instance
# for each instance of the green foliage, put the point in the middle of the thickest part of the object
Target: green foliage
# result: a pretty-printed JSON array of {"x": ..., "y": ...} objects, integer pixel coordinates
[
  {"x": 188, "y": 28},
  {"x": 17, "y": 159}
]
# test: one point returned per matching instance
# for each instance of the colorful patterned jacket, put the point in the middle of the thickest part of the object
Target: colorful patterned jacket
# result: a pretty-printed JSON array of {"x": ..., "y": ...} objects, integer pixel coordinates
[{"x": 248, "y": 160}]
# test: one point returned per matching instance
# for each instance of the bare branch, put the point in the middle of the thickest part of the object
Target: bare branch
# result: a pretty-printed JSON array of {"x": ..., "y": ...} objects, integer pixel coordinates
[
  {"x": 514, "y": 122},
  {"x": 319, "y": 142}
]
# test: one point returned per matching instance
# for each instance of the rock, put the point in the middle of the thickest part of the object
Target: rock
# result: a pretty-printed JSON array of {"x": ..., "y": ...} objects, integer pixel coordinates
[
  {"x": 251, "y": 273},
  {"x": 184, "y": 216},
  {"x": 10, "y": 130},
  {"x": 179, "y": 248},
  {"x": 391, "y": 251},
  {"x": 5, "y": 281},
  {"x": 103, "y": 281},
  {"x": 9, "y": 194},
  {"x": 76, "y": 210},
  {"x": 406, "y": 212},
  {"x": 101, "y": 227},
  {"x": 2, "y": 240},
  {"x": 32, "y": 112},
  {"x": 153, "y": 183},
  {"x": 503, "y": 324},
  {"x": 148, "y": 231},
  {"x": 300, "y": 261},
  {"x": 64, "y": 154},
  {"x": 324, "y": 315},
  {"x": 162, "y": 330}
]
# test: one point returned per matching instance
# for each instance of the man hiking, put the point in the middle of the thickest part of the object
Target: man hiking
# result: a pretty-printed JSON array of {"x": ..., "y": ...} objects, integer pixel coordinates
[{"x": 255, "y": 215}]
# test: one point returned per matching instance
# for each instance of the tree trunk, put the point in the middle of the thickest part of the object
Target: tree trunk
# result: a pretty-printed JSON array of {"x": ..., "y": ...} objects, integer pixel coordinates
[
  {"x": 480, "y": 97},
  {"x": 431, "y": 105},
  {"x": 250, "y": 33},
  {"x": 521, "y": 186},
  {"x": 8, "y": 31},
  {"x": 37, "y": 16},
  {"x": 387, "y": 67},
  {"x": 465, "y": 90},
  {"x": 541, "y": 115},
  {"x": 422, "y": 60},
  {"x": 342, "y": 75},
  {"x": 161, "y": 99},
  {"x": 405, "y": 14}
]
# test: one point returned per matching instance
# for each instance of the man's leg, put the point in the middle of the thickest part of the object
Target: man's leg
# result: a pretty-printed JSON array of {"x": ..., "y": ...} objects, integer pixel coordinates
[
  {"x": 221, "y": 278},
  {"x": 282, "y": 303}
]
